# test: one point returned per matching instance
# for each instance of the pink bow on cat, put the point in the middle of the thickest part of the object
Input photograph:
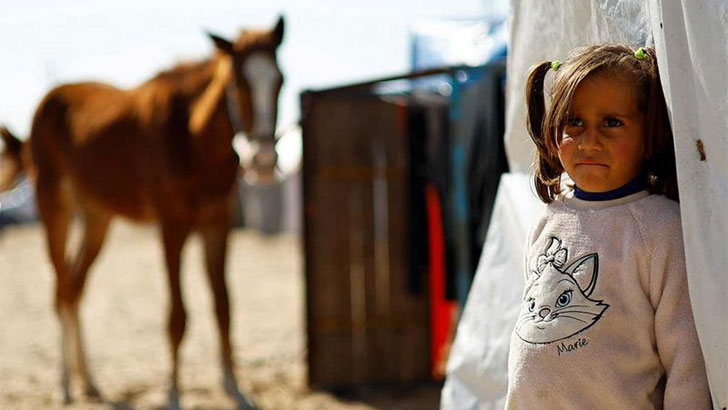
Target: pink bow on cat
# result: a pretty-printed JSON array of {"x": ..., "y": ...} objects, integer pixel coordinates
[{"x": 554, "y": 254}]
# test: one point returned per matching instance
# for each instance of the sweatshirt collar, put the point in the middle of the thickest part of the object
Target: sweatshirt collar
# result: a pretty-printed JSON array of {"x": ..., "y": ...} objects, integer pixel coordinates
[
  {"x": 571, "y": 201},
  {"x": 632, "y": 187}
]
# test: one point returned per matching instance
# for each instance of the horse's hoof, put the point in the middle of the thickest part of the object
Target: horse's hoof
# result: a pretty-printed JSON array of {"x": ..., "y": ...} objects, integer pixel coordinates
[
  {"x": 231, "y": 388},
  {"x": 243, "y": 402},
  {"x": 173, "y": 400},
  {"x": 93, "y": 393}
]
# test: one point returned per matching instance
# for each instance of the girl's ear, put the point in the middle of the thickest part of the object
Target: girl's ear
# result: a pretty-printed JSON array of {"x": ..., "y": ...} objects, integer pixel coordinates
[{"x": 584, "y": 271}]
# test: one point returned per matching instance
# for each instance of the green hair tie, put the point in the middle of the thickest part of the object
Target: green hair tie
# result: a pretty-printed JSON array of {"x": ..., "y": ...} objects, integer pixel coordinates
[
  {"x": 555, "y": 65},
  {"x": 640, "y": 54}
]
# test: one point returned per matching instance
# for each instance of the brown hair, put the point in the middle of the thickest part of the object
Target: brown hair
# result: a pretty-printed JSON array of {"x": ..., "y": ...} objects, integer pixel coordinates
[{"x": 545, "y": 126}]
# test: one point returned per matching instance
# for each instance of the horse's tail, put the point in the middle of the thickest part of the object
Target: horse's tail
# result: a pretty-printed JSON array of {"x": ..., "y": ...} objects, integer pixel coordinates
[{"x": 11, "y": 159}]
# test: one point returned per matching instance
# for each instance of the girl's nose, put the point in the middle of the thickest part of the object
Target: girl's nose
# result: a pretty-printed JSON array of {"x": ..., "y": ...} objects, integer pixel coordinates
[
  {"x": 589, "y": 141},
  {"x": 544, "y": 312}
]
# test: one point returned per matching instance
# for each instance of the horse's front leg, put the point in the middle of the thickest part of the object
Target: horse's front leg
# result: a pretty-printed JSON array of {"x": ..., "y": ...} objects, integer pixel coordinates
[
  {"x": 174, "y": 236},
  {"x": 215, "y": 239}
]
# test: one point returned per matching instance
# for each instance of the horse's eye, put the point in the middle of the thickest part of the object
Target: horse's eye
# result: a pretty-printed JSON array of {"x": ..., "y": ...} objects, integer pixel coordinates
[{"x": 564, "y": 299}]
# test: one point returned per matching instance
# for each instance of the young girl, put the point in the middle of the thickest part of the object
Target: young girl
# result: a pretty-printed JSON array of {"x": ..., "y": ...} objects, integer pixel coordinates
[{"x": 606, "y": 321}]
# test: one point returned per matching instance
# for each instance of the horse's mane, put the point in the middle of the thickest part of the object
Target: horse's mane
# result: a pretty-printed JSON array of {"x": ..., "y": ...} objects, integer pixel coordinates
[
  {"x": 185, "y": 74},
  {"x": 192, "y": 72}
]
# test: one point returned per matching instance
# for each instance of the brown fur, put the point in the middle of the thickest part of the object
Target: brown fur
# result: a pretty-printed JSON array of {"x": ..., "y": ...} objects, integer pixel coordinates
[{"x": 161, "y": 152}]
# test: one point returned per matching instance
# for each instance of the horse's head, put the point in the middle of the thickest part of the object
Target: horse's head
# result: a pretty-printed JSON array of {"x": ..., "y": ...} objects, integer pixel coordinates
[{"x": 253, "y": 88}]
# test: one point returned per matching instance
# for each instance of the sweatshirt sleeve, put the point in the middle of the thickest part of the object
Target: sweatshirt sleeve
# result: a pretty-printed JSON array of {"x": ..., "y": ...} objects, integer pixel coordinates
[{"x": 675, "y": 335}]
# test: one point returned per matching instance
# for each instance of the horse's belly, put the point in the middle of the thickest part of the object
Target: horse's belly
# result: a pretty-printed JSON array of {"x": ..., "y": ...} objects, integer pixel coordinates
[
  {"x": 114, "y": 178},
  {"x": 115, "y": 194}
]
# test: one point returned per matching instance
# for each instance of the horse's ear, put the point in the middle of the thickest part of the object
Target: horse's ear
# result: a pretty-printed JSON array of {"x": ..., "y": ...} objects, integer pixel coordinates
[
  {"x": 221, "y": 44},
  {"x": 584, "y": 271},
  {"x": 278, "y": 31}
]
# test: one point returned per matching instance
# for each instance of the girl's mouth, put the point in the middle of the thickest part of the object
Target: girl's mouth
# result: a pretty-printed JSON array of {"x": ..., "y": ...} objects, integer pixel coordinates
[{"x": 591, "y": 163}]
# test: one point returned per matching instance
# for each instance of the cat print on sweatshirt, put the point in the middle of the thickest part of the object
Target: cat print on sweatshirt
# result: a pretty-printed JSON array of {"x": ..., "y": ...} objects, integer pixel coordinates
[{"x": 556, "y": 304}]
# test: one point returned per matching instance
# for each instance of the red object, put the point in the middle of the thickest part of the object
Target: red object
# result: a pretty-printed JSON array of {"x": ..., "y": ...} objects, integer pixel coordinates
[{"x": 441, "y": 309}]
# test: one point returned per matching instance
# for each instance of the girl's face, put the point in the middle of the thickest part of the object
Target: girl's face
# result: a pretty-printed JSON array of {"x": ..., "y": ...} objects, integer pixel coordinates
[{"x": 603, "y": 144}]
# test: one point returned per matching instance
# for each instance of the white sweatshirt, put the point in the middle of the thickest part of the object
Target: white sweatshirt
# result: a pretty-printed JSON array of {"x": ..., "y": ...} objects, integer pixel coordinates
[{"x": 606, "y": 321}]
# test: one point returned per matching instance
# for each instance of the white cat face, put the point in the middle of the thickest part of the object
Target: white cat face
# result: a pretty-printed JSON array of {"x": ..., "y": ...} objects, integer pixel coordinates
[{"x": 556, "y": 304}]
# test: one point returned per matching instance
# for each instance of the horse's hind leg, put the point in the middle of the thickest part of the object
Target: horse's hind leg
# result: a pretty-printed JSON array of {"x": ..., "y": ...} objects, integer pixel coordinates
[
  {"x": 96, "y": 224},
  {"x": 174, "y": 237},
  {"x": 214, "y": 236},
  {"x": 55, "y": 213}
]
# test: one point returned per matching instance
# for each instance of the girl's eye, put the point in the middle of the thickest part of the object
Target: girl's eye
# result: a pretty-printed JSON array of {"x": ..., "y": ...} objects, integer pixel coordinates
[
  {"x": 531, "y": 304},
  {"x": 573, "y": 122},
  {"x": 611, "y": 122},
  {"x": 564, "y": 299}
]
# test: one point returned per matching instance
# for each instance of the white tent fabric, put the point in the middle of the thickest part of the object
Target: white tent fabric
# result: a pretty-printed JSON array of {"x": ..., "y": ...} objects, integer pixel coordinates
[
  {"x": 691, "y": 39},
  {"x": 478, "y": 363}
]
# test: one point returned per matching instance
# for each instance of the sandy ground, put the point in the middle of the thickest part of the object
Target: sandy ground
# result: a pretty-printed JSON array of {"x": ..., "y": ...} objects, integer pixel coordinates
[{"x": 124, "y": 315}]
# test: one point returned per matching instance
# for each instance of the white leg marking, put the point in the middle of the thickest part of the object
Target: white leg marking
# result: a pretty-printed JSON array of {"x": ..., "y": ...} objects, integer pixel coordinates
[{"x": 65, "y": 353}]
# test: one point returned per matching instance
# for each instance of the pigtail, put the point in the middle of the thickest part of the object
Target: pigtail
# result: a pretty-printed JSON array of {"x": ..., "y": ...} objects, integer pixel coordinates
[
  {"x": 547, "y": 177},
  {"x": 660, "y": 162},
  {"x": 535, "y": 102}
]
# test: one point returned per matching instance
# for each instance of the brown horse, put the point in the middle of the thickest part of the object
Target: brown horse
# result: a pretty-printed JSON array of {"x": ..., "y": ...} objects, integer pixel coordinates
[{"x": 161, "y": 152}]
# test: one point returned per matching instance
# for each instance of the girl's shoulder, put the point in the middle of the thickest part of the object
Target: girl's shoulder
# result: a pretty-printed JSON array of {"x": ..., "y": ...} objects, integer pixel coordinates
[
  {"x": 641, "y": 205},
  {"x": 658, "y": 221},
  {"x": 657, "y": 211},
  {"x": 659, "y": 203},
  {"x": 651, "y": 214}
]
